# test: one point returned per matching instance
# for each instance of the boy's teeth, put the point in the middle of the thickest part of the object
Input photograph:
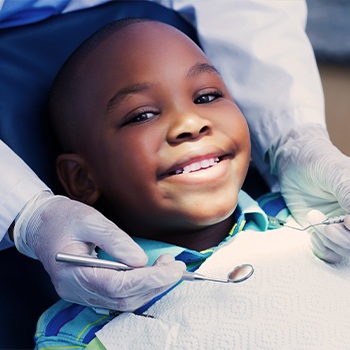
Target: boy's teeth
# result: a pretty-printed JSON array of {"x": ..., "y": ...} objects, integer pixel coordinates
[{"x": 203, "y": 164}]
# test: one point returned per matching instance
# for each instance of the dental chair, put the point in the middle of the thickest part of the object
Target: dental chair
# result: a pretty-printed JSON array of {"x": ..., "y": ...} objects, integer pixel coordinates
[{"x": 30, "y": 57}]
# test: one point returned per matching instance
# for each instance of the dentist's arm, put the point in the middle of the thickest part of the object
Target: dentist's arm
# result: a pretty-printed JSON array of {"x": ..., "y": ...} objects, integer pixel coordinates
[{"x": 18, "y": 185}]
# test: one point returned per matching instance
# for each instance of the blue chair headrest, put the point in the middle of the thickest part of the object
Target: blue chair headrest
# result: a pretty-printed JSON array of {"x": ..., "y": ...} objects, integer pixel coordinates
[{"x": 30, "y": 57}]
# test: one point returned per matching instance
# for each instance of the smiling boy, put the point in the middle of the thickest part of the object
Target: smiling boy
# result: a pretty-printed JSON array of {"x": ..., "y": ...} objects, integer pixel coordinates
[
  {"x": 150, "y": 130},
  {"x": 152, "y": 138}
]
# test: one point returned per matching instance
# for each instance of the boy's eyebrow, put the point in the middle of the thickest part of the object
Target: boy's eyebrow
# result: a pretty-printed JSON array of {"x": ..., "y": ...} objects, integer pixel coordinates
[
  {"x": 200, "y": 68},
  {"x": 124, "y": 92},
  {"x": 137, "y": 88}
]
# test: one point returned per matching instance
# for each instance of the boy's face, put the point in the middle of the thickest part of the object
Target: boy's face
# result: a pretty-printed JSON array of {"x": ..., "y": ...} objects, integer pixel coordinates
[{"x": 167, "y": 146}]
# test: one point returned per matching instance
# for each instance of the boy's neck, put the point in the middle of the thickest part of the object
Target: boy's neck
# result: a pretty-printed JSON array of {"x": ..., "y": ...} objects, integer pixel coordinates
[
  {"x": 199, "y": 239},
  {"x": 205, "y": 238}
]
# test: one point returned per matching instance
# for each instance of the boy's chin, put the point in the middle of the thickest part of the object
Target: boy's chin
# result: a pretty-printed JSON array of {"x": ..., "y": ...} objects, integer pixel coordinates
[{"x": 212, "y": 216}]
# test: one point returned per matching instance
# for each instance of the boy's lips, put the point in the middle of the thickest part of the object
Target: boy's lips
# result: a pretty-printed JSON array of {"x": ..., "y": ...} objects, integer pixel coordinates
[{"x": 194, "y": 164}]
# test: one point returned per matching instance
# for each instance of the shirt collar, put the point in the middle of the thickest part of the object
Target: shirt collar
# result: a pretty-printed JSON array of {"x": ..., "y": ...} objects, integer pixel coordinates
[{"x": 250, "y": 211}]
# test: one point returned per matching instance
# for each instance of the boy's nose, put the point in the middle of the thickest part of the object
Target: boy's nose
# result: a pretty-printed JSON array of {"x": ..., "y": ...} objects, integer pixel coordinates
[{"x": 188, "y": 126}]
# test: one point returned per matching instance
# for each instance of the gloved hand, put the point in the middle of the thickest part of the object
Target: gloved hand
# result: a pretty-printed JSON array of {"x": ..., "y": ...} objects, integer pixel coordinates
[
  {"x": 50, "y": 224},
  {"x": 312, "y": 172},
  {"x": 329, "y": 242}
]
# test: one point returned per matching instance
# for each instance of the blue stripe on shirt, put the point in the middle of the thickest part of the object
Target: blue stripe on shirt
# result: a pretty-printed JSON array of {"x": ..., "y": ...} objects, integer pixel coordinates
[{"x": 63, "y": 317}]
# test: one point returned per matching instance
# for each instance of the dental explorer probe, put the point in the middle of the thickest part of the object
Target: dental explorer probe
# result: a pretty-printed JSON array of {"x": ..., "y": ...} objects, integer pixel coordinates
[{"x": 276, "y": 223}]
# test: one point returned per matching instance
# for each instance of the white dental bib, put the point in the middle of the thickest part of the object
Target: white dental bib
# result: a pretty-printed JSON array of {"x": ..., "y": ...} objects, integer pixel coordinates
[{"x": 292, "y": 301}]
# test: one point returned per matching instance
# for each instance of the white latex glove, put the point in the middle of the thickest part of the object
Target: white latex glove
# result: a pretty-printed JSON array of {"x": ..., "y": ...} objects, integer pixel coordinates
[
  {"x": 51, "y": 224},
  {"x": 329, "y": 242},
  {"x": 312, "y": 172}
]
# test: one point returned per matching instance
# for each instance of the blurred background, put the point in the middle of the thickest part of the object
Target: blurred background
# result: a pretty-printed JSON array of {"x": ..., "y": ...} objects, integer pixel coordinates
[{"x": 328, "y": 28}]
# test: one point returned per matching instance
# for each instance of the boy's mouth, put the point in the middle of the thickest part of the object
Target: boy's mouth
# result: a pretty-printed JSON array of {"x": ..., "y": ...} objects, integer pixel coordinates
[{"x": 195, "y": 166}]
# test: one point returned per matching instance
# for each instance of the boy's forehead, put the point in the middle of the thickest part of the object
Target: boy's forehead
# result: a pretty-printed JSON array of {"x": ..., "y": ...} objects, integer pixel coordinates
[
  {"x": 141, "y": 43},
  {"x": 143, "y": 35},
  {"x": 132, "y": 52}
]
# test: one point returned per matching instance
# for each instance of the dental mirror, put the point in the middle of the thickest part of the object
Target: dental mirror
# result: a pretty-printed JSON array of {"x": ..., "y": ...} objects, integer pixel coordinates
[{"x": 238, "y": 274}]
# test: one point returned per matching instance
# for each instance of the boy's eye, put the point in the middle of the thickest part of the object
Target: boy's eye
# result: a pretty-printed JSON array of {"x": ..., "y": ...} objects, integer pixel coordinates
[
  {"x": 208, "y": 97},
  {"x": 140, "y": 117}
]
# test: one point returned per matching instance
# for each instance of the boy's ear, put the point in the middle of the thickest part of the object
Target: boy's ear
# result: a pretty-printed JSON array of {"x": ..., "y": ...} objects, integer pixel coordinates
[{"x": 76, "y": 178}]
